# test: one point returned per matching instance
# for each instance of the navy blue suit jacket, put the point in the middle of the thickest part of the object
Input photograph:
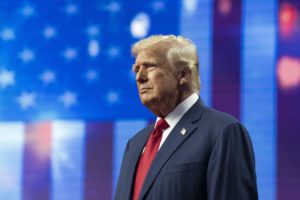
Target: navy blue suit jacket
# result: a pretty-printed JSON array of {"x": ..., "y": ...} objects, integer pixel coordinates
[{"x": 214, "y": 160}]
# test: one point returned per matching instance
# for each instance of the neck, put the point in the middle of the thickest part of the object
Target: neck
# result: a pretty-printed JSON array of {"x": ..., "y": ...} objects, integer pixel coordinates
[{"x": 165, "y": 108}]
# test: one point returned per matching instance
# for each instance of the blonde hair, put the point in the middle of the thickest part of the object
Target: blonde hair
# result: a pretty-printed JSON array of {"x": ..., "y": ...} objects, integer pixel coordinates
[{"x": 180, "y": 52}]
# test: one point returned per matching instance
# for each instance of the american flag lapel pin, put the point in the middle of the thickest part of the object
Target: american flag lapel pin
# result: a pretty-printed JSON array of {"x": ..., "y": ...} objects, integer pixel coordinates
[{"x": 183, "y": 131}]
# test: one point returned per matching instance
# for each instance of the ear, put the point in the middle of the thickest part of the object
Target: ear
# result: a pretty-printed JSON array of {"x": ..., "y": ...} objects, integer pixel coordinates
[{"x": 184, "y": 76}]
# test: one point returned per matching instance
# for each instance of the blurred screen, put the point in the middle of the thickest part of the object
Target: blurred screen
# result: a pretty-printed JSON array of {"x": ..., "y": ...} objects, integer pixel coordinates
[{"x": 69, "y": 103}]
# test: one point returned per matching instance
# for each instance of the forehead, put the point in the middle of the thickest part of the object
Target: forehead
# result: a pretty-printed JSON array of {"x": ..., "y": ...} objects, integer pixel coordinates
[{"x": 150, "y": 55}]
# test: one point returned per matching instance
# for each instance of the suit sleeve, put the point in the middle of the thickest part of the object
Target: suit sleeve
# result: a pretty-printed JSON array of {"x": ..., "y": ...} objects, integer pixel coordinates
[{"x": 231, "y": 168}]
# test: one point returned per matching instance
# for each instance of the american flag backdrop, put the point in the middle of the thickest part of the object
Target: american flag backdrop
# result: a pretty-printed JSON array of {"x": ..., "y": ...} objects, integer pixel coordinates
[{"x": 68, "y": 100}]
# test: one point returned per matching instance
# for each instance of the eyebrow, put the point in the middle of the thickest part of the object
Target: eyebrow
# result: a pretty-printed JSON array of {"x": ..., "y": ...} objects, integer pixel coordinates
[{"x": 146, "y": 63}]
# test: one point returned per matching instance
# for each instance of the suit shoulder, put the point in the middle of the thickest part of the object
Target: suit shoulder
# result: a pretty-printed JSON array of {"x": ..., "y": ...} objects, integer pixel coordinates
[
  {"x": 218, "y": 118},
  {"x": 218, "y": 123}
]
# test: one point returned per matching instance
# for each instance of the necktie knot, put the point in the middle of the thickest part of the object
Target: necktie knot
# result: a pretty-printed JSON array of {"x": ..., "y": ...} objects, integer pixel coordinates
[{"x": 160, "y": 126}]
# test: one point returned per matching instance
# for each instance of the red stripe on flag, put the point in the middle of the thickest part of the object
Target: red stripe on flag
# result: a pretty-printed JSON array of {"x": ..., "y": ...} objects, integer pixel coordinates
[
  {"x": 98, "y": 178},
  {"x": 37, "y": 154}
]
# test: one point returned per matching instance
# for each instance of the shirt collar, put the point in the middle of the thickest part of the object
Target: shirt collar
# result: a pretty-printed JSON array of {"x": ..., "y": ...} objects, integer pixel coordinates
[{"x": 173, "y": 117}]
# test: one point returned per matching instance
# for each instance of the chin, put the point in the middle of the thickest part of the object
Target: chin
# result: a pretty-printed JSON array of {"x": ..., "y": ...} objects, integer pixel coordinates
[{"x": 146, "y": 100}]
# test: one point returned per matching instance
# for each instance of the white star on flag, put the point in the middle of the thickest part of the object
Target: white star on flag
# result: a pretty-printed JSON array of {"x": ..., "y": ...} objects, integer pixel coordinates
[
  {"x": 113, "y": 52},
  {"x": 26, "y": 100},
  {"x": 91, "y": 75},
  {"x": 113, "y": 7},
  {"x": 93, "y": 31},
  {"x": 158, "y": 5},
  {"x": 49, "y": 32},
  {"x": 48, "y": 77},
  {"x": 70, "y": 53},
  {"x": 26, "y": 55},
  {"x": 71, "y": 9},
  {"x": 7, "y": 78},
  {"x": 27, "y": 11},
  {"x": 68, "y": 99},
  {"x": 7, "y": 34},
  {"x": 112, "y": 97}
]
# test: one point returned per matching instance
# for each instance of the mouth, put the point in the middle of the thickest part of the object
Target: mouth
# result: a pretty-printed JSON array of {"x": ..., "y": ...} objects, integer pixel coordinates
[{"x": 144, "y": 90}]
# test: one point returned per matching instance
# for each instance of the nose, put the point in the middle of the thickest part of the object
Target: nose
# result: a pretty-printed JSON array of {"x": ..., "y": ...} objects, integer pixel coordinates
[{"x": 141, "y": 75}]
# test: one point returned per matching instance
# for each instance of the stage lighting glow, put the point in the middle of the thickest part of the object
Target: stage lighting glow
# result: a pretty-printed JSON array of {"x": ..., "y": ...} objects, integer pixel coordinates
[
  {"x": 288, "y": 17},
  {"x": 288, "y": 72},
  {"x": 224, "y": 6}
]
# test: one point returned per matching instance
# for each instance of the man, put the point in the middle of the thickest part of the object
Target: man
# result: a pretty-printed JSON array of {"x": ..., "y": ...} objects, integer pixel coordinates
[{"x": 192, "y": 151}]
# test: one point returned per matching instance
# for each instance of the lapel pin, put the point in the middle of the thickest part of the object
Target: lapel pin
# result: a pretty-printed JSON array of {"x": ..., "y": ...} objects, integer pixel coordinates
[{"x": 183, "y": 131}]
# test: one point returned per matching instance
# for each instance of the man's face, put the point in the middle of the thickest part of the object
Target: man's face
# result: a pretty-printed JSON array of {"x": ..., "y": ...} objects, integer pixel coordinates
[{"x": 156, "y": 81}]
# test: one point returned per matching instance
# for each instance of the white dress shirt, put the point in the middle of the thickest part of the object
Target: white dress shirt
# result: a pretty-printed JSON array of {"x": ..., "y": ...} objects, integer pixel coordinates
[{"x": 173, "y": 117}]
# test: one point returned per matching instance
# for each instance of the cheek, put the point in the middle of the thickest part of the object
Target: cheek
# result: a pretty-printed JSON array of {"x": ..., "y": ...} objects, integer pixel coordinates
[
  {"x": 166, "y": 89},
  {"x": 170, "y": 83},
  {"x": 161, "y": 82}
]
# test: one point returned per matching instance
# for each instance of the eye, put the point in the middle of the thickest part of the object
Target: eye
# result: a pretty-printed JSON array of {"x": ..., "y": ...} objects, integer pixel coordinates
[
  {"x": 151, "y": 66},
  {"x": 135, "y": 68}
]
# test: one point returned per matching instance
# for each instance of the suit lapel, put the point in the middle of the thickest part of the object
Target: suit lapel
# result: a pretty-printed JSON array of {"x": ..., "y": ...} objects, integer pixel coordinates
[
  {"x": 172, "y": 143},
  {"x": 138, "y": 145}
]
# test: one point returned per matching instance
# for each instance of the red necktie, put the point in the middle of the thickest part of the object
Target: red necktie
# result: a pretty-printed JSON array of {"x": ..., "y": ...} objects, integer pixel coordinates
[{"x": 147, "y": 157}]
